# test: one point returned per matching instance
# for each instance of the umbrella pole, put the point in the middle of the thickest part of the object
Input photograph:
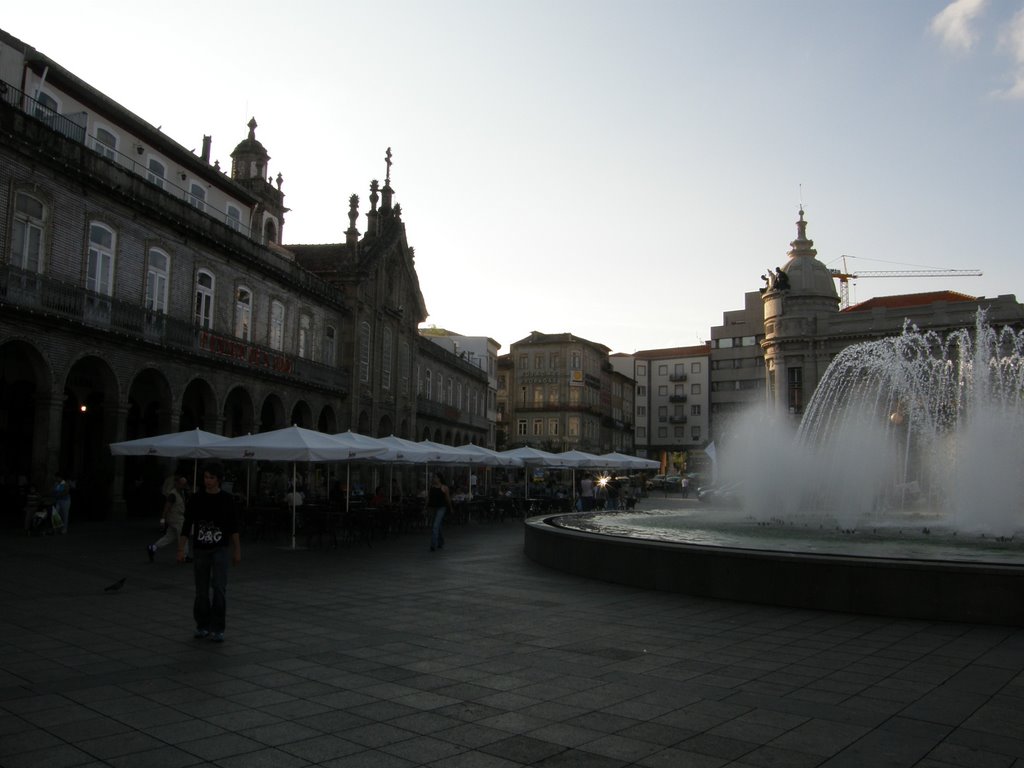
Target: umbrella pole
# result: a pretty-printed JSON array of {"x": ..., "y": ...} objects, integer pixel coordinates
[{"x": 293, "y": 505}]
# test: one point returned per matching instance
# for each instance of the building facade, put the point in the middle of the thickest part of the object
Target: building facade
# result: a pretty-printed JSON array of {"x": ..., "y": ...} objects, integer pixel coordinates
[
  {"x": 737, "y": 378},
  {"x": 478, "y": 351},
  {"x": 144, "y": 289},
  {"x": 672, "y": 403},
  {"x": 559, "y": 392}
]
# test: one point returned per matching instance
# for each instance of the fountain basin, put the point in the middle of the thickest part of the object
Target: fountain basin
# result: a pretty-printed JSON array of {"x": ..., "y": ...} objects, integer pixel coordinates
[{"x": 973, "y": 590}]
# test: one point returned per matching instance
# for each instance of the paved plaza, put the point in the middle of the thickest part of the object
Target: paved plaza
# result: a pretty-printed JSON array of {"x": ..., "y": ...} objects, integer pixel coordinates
[{"x": 472, "y": 656}]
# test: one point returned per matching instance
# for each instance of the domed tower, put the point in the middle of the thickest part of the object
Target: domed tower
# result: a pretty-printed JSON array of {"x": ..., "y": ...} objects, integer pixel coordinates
[
  {"x": 796, "y": 297},
  {"x": 249, "y": 169}
]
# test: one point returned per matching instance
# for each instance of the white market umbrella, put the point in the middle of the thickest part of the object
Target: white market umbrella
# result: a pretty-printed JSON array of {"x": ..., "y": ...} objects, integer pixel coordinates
[
  {"x": 296, "y": 444},
  {"x": 625, "y": 461},
  {"x": 190, "y": 444}
]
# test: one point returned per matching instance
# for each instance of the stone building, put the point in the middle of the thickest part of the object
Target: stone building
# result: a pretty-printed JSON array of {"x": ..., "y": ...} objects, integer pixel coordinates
[
  {"x": 804, "y": 327},
  {"x": 671, "y": 401},
  {"x": 480, "y": 352},
  {"x": 558, "y": 392},
  {"x": 144, "y": 289}
]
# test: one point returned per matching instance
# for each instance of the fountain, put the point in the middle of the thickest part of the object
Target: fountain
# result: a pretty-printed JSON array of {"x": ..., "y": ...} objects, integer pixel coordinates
[{"x": 901, "y": 493}]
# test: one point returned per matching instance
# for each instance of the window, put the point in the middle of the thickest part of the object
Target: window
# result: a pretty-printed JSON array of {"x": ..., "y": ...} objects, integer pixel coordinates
[
  {"x": 555, "y": 361},
  {"x": 663, "y": 370},
  {"x": 796, "y": 389},
  {"x": 538, "y": 361},
  {"x": 680, "y": 432},
  {"x": 440, "y": 388},
  {"x": 385, "y": 362},
  {"x": 695, "y": 389},
  {"x": 662, "y": 413},
  {"x": 197, "y": 196},
  {"x": 725, "y": 343},
  {"x": 575, "y": 361},
  {"x": 641, "y": 410},
  {"x": 695, "y": 410},
  {"x": 663, "y": 390},
  {"x": 105, "y": 142},
  {"x": 538, "y": 427},
  {"x": 204, "y": 299},
  {"x": 695, "y": 433},
  {"x": 276, "y": 325},
  {"x": 156, "y": 172},
  {"x": 461, "y": 401},
  {"x": 428, "y": 390},
  {"x": 364, "y": 353},
  {"x": 29, "y": 226},
  {"x": 156, "y": 280},
  {"x": 330, "y": 345},
  {"x": 305, "y": 335},
  {"x": 404, "y": 362},
  {"x": 99, "y": 275},
  {"x": 663, "y": 432},
  {"x": 572, "y": 426},
  {"x": 243, "y": 313},
  {"x": 553, "y": 427},
  {"x": 524, "y": 362},
  {"x": 641, "y": 391},
  {"x": 641, "y": 369},
  {"x": 679, "y": 390},
  {"x": 694, "y": 367},
  {"x": 47, "y": 107},
  {"x": 449, "y": 392},
  {"x": 641, "y": 432},
  {"x": 521, "y": 427},
  {"x": 233, "y": 217}
]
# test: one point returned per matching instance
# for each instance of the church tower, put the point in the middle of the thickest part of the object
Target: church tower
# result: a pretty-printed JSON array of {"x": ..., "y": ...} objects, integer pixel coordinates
[{"x": 250, "y": 169}]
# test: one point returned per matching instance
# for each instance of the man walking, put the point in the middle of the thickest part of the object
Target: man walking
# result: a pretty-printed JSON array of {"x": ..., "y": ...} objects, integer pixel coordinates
[{"x": 212, "y": 523}]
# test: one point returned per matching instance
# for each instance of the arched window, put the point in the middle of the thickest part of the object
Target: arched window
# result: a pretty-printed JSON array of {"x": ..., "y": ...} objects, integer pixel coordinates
[
  {"x": 428, "y": 389},
  {"x": 29, "y": 230},
  {"x": 99, "y": 273},
  {"x": 276, "y": 325},
  {"x": 385, "y": 362},
  {"x": 330, "y": 345},
  {"x": 440, "y": 388},
  {"x": 305, "y": 334},
  {"x": 158, "y": 268},
  {"x": 269, "y": 231},
  {"x": 197, "y": 195},
  {"x": 458, "y": 395},
  {"x": 364, "y": 352},
  {"x": 105, "y": 142},
  {"x": 233, "y": 217},
  {"x": 204, "y": 299},
  {"x": 449, "y": 392},
  {"x": 156, "y": 172},
  {"x": 243, "y": 313}
]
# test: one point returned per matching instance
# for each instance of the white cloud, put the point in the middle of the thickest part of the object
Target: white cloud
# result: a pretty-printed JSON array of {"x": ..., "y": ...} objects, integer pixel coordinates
[
  {"x": 953, "y": 24},
  {"x": 1011, "y": 39}
]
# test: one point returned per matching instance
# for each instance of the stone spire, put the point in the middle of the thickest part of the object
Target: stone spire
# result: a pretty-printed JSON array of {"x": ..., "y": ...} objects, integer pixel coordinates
[
  {"x": 352, "y": 234},
  {"x": 802, "y": 246},
  {"x": 371, "y": 215}
]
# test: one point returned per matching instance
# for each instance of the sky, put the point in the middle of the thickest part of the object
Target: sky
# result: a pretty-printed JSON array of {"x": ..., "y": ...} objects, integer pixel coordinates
[{"x": 624, "y": 171}]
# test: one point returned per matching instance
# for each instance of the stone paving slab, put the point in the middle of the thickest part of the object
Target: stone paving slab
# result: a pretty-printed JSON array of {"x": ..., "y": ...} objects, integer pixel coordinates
[{"x": 391, "y": 655}]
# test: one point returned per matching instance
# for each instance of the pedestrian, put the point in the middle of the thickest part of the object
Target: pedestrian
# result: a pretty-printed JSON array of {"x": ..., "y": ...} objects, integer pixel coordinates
[
  {"x": 212, "y": 525},
  {"x": 61, "y": 502},
  {"x": 685, "y": 484},
  {"x": 587, "y": 501},
  {"x": 440, "y": 501},
  {"x": 173, "y": 513}
]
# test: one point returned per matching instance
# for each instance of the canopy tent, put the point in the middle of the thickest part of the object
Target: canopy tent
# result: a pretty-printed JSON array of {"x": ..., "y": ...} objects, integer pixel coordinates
[{"x": 297, "y": 444}]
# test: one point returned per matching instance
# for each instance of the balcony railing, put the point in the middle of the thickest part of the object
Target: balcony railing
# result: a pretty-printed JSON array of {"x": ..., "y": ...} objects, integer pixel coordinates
[
  {"x": 677, "y": 377},
  {"x": 677, "y": 398},
  {"x": 46, "y": 297},
  {"x": 73, "y": 127}
]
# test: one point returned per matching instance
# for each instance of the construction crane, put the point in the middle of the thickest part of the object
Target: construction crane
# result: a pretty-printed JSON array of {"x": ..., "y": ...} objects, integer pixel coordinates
[{"x": 844, "y": 276}]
